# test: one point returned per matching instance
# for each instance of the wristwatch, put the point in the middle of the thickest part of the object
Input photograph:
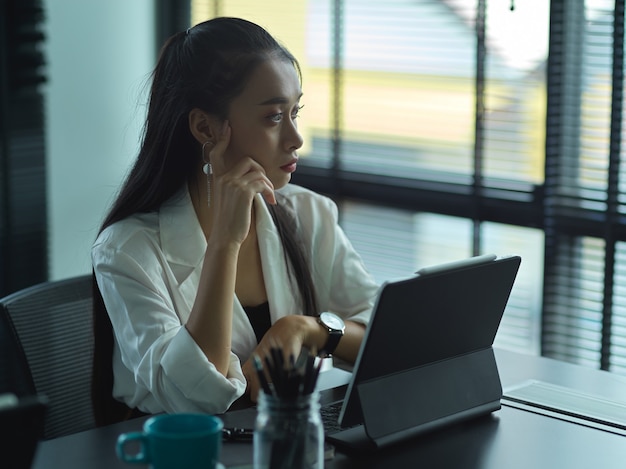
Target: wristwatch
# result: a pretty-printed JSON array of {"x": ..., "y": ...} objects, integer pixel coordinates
[{"x": 335, "y": 327}]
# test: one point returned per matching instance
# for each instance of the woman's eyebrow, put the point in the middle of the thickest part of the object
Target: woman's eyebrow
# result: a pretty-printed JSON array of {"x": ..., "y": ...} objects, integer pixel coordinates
[{"x": 278, "y": 100}]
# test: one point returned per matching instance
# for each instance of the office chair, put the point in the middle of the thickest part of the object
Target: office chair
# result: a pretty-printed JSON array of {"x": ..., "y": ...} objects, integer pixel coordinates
[
  {"x": 53, "y": 321},
  {"x": 15, "y": 377}
]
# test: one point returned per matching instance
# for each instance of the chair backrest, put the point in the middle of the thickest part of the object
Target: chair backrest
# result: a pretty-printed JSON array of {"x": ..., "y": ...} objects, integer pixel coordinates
[
  {"x": 15, "y": 377},
  {"x": 54, "y": 321}
]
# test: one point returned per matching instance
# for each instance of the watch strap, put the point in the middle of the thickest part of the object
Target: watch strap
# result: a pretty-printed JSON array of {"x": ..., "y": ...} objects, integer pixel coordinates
[{"x": 331, "y": 343}]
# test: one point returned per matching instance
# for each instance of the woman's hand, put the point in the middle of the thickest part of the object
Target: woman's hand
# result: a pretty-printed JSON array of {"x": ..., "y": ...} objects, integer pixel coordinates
[
  {"x": 233, "y": 189},
  {"x": 289, "y": 334},
  {"x": 253, "y": 386},
  {"x": 292, "y": 333}
]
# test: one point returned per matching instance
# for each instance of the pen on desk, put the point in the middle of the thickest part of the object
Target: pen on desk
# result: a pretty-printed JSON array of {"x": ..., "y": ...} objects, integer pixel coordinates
[{"x": 237, "y": 434}]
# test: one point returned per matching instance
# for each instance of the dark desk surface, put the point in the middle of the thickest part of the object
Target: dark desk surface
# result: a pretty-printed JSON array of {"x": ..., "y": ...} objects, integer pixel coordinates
[{"x": 510, "y": 438}]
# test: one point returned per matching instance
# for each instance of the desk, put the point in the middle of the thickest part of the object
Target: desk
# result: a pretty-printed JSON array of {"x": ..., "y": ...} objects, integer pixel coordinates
[{"x": 509, "y": 438}]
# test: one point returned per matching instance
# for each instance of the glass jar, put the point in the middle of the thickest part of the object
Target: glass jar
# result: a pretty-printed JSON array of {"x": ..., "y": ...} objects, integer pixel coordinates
[{"x": 288, "y": 433}]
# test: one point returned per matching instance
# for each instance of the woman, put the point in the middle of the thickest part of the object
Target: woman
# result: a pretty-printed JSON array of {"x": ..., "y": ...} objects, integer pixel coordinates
[{"x": 208, "y": 255}]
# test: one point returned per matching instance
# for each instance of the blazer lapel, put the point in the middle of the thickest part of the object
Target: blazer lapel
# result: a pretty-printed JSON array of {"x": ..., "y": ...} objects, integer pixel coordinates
[
  {"x": 184, "y": 246},
  {"x": 183, "y": 243},
  {"x": 278, "y": 283}
]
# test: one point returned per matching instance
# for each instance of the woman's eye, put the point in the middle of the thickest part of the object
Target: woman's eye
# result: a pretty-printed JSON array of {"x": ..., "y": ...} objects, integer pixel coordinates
[
  {"x": 276, "y": 118},
  {"x": 296, "y": 112}
]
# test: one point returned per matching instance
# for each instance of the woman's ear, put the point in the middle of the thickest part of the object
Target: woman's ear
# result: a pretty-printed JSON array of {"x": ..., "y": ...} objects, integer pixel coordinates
[{"x": 203, "y": 127}]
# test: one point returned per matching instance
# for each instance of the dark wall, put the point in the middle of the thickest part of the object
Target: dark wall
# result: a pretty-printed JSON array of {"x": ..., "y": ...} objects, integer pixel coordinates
[{"x": 23, "y": 224}]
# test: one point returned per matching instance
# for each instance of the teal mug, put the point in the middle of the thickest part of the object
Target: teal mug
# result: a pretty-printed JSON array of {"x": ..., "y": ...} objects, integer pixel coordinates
[{"x": 169, "y": 441}]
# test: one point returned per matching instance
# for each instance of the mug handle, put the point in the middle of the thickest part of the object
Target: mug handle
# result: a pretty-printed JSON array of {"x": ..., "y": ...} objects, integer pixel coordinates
[{"x": 141, "y": 457}]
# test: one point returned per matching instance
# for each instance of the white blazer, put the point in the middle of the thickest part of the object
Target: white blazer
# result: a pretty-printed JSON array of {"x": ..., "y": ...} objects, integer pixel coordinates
[{"x": 148, "y": 267}]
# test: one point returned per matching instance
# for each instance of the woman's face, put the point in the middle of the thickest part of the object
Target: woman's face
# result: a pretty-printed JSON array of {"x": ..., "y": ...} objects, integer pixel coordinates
[{"x": 263, "y": 120}]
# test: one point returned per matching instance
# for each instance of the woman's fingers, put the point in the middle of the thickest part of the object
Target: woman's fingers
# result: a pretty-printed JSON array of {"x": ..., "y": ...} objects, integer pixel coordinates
[
  {"x": 246, "y": 168},
  {"x": 260, "y": 183},
  {"x": 247, "y": 174},
  {"x": 250, "y": 374},
  {"x": 287, "y": 334}
]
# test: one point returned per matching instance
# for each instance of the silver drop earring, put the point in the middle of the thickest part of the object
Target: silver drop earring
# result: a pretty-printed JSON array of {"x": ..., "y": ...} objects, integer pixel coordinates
[{"x": 208, "y": 170}]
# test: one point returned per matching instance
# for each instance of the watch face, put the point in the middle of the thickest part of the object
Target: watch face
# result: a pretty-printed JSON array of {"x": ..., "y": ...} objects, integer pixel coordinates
[{"x": 332, "y": 321}]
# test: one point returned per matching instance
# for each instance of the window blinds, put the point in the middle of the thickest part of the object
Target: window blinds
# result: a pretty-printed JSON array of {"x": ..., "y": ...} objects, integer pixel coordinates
[{"x": 583, "y": 318}]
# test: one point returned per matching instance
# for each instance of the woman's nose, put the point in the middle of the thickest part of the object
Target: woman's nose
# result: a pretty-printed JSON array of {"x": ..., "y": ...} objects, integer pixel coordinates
[{"x": 293, "y": 138}]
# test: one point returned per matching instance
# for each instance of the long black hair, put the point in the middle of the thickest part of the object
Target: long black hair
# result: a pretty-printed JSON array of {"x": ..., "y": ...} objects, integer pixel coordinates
[{"x": 204, "y": 67}]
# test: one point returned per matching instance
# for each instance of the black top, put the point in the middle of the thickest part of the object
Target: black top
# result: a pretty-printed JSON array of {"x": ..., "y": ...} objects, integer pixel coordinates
[{"x": 259, "y": 317}]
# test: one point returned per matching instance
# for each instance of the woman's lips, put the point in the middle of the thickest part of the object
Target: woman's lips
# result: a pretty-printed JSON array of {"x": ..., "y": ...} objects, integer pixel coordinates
[{"x": 290, "y": 167}]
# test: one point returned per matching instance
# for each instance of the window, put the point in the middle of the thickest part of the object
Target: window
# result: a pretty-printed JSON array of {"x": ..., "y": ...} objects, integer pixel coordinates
[
  {"x": 583, "y": 317},
  {"x": 450, "y": 128}
]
